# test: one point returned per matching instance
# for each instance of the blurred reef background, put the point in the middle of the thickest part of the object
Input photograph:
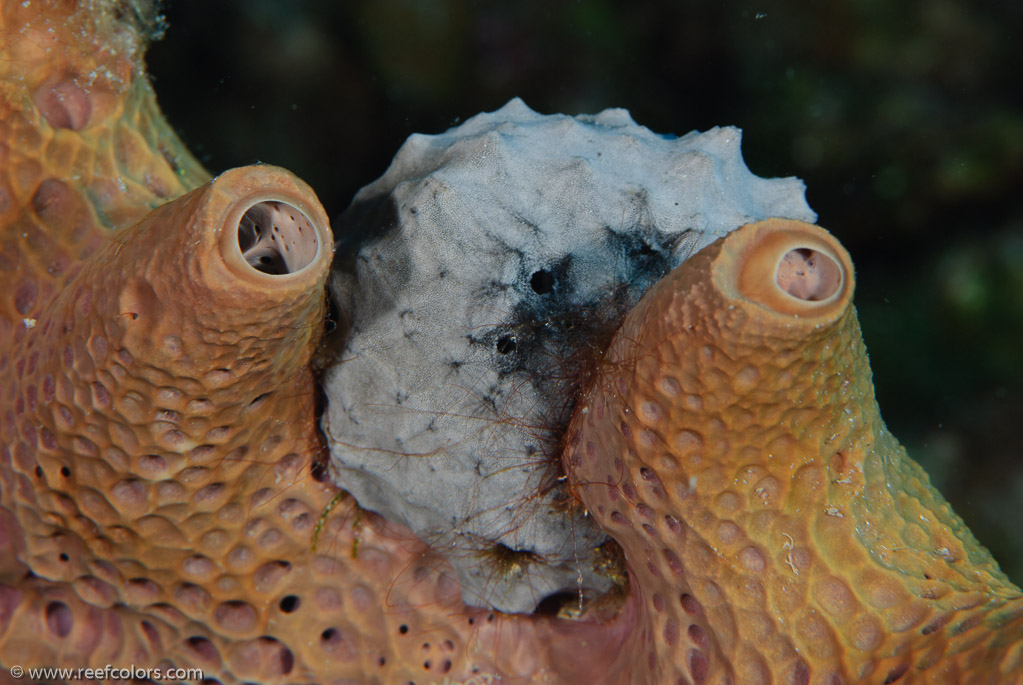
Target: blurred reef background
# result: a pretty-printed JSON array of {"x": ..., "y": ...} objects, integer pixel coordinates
[{"x": 905, "y": 119}]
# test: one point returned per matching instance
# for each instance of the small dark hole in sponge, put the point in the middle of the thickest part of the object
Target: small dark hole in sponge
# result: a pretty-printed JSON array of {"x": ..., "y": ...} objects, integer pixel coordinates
[
  {"x": 259, "y": 399},
  {"x": 289, "y": 603},
  {"x": 332, "y": 316},
  {"x": 895, "y": 674},
  {"x": 65, "y": 471},
  {"x": 318, "y": 471},
  {"x": 506, "y": 344},
  {"x": 542, "y": 281},
  {"x": 552, "y": 604}
]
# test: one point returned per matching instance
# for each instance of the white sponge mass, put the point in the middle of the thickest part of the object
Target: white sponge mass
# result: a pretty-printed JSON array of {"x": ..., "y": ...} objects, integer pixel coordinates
[{"x": 482, "y": 277}]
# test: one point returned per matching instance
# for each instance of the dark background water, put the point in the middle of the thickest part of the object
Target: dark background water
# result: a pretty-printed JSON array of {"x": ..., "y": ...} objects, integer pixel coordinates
[{"x": 905, "y": 119}]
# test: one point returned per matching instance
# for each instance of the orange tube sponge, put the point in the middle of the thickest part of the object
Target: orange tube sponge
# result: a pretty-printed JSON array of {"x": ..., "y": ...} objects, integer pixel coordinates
[
  {"x": 158, "y": 503},
  {"x": 774, "y": 529},
  {"x": 135, "y": 382},
  {"x": 161, "y": 505},
  {"x": 159, "y": 441}
]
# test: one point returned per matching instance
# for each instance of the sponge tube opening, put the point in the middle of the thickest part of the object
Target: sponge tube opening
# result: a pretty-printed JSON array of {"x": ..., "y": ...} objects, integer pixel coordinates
[
  {"x": 808, "y": 274},
  {"x": 276, "y": 238}
]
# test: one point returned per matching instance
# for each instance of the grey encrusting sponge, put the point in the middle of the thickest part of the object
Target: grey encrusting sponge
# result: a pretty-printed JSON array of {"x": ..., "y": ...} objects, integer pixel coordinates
[{"x": 481, "y": 276}]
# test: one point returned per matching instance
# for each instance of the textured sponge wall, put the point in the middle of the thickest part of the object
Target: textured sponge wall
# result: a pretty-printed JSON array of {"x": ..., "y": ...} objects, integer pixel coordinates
[
  {"x": 778, "y": 531},
  {"x": 84, "y": 146}
]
